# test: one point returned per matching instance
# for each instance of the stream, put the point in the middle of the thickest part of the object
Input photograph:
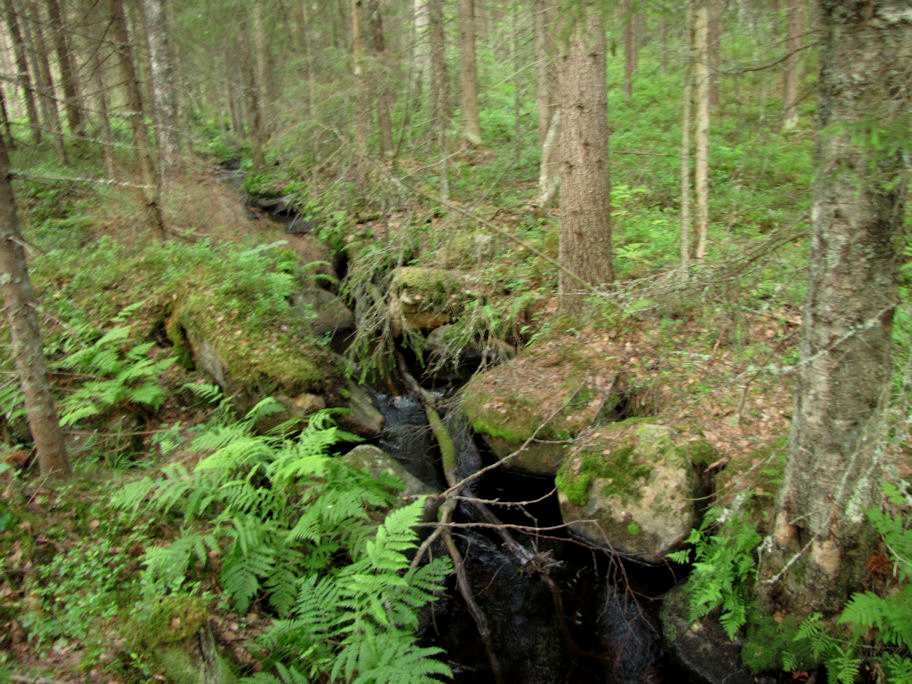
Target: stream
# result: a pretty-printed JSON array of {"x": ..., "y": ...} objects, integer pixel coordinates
[{"x": 562, "y": 610}]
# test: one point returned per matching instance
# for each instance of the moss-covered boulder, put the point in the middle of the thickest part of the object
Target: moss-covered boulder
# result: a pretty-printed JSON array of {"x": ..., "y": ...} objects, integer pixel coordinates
[
  {"x": 548, "y": 395},
  {"x": 421, "y": 299},
  {"x": 362, "y": 415},
  {"x": 635, "y": 481},
  {"x": 173, "y": 633},
  {"x": 377, "y": 462},
  {"x": 248, "y": 359},
  {"x": 327, "y": 313}
]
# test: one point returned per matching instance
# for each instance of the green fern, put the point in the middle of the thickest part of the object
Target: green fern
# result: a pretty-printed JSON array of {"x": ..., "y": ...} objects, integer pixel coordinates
[
  {"x": 119, "y": 374},
  {"x": 723, "y": 569}
]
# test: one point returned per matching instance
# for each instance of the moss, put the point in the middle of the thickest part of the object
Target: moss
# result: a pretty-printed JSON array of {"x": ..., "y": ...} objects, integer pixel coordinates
[
  {"x": 617, "y": 472},
  {"x": 253, "y": 357},
  {"x": 700, "y": 453},
  {"x": 633, "y": 529},
  {"x": 433, "y": 284},
  {"x": 170, "y": 620}
]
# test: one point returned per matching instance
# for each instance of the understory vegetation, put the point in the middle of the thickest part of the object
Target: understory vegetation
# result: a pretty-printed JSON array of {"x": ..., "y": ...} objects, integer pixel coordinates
[{"x": 211, "y": 380}]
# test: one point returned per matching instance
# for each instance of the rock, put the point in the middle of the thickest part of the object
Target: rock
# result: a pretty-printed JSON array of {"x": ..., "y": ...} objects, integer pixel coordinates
[
  {"x": 627, "y": 637},
  {"x": 636, "y": 480},
  {"x": 408, "y": 437},
  {"x": 422, "y": 299},
  {"x": 553, "y": 392},
  {"x": 248, "y": 361},
  {"x": 327, "y": 313},
  {"x": 362, "y": 416},
  {"x": 701, "y": 648},
  {"x": 377, "y": 462},
  {"x": 315, "y": 255}
]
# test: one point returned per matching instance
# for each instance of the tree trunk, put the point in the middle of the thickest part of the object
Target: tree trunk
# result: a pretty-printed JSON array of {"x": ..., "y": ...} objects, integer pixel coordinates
[
  {"x": 164, "y": 87},
  {"x": 22, "y": 69},
  {"x": 630, "y": 46},
  {"x": 265, "y": 61},
  {"x": 135, "y": 20},
  {"x": 121, "y": 38},
  {"x": 68, "y": 74},
  {"x": 471, "y": 129},
  {"x": 104, "y": 118},
  {"x": 421, "y": 51},
  {"x": 702, "y": 77},
  {"x": 382, "y": 83},
  {"x": 252, "y": 91},
  {"x": 833, "y": 473},
  {"x": 715, "y": 52},
  {"x": 790, "y": 84},
  {"x": 440, "y": 90},
  {"x": 586, "y": 254},
  {"x": 686, "y": 116},
  {"x": 549, "y": 169},
  {"x": 362, "y": 89},
  {"x": 25, "y": 335},
  {"x": 5, "y": 121},
  {"x": 544, "y": 56},
  {"x": 42, "y": 67}
]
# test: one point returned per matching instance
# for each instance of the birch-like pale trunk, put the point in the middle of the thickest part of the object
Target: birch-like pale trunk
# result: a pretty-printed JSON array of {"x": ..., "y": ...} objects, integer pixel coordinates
[
  {"x": 702, "y": 83},
  {"x": 164, "y": 86},
  {"x": 820, "y": 543},
  {"x": 792, "y": 64}
]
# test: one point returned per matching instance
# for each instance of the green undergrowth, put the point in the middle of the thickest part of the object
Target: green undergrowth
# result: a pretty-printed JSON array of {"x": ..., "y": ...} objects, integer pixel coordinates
[
  {"x": 873, "y": 632},
  {"x": 128, "y": 572}
]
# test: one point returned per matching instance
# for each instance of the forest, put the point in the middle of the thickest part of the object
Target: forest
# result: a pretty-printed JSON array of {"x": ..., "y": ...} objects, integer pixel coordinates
[{"x": 455, "y": 340}]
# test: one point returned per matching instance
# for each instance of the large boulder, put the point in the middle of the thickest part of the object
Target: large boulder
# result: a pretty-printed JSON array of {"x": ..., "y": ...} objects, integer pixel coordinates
[
  {"x": 422, "y": 299},
  {"x": 632, "y": 485},
  {"x": 327, "y": 313},
  {"x": 701, "y": 647},
  {"x": 250, "y": 362},
  {"x": 377, "y": 462},
  {"x": 362, "y": 416},
  {"x": 548, "y": 395}
]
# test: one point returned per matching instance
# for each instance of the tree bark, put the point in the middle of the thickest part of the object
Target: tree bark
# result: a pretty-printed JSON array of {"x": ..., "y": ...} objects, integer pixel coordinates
[
  {"x": 792, "y": 63},
  {"x": 543, "y": 11},
  {"x": 124, "y": 49},
  {"x": 421, "y": 50},
  {"x": 702, "y": 78},
  {"x": 25, "y": 335},
  {"x": 440, "y": 90},
  {"x": 586, "y": 254},
  {"x": 68, "y": 75},
  {"x": 252, "y": 91},
  {"x": 104, "y": 118},
  {"x": 382, "y": 82},
  {"x": 838, "y": 430},
  {"x": 265, "y": 60},
  {"x": 362, "y": 88},
  {"x": 471, "y": 129},
  {"x": 164, "y": 87},
  {"x": 686, "y": 122},
  {"x": 5, "y": 121},
  {"x": 715, "y": 52},
  {"x": 630, "y": 46},
  {"x": 42, "y": 68},
  {"x": 20, "y": 51}
]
